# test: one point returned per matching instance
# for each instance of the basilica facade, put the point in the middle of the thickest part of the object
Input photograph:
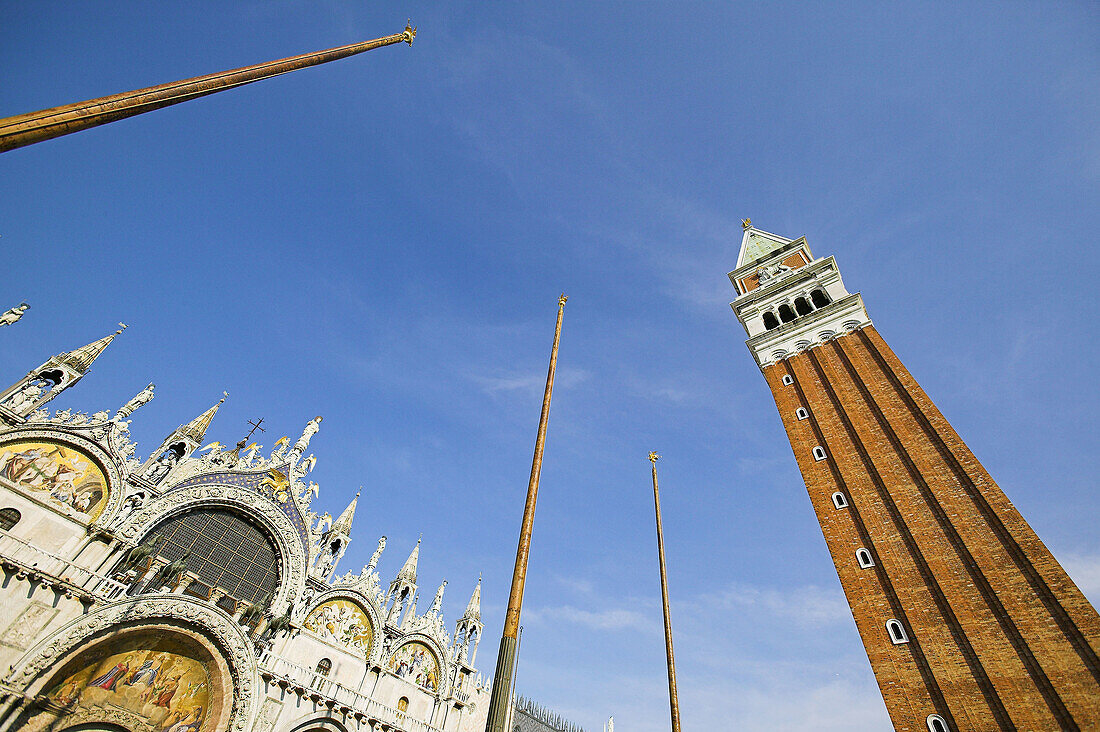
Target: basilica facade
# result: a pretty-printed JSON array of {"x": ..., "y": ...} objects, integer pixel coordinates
[{"x": 196, "y": 589}]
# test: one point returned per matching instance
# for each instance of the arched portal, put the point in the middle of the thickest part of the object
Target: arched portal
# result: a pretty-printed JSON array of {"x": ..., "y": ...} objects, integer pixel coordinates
[{"x": 226, "y": 551}]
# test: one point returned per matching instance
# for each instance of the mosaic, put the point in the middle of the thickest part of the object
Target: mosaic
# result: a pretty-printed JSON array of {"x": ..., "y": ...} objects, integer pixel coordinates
[
  {"x": 344, "y": 622},
  {"x": 416, "y": 662},
  {"x": 169, "y": 691},
  {"x": 57, "y": 474}
]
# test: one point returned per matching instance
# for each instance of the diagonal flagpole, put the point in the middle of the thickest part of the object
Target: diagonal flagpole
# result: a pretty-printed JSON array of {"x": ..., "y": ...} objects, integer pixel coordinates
[
  {"x": 506, "y": 657},
  {"x": 674, "y": 703},
  {"x": 27, "y": 129}
]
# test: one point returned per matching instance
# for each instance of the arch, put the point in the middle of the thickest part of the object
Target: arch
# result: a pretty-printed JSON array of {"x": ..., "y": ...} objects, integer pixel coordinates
[
  {"x": 839, "y": 500},
  {"x": 819, "y": 453},
  {"x": 787, "y": 378},
  {"x": 801, "y": 413},
  {"x": 802, "y": 307},
  {"x": 896, "y": 632},
  {"x": 315, "y": 722},
  {"x": 786, "y": 313},
  {"x": 74, "y": 446},
  {"x": 9, "y": 517},
  {"x": 770, "y": 320},
  {"x": 936, "y": 723},
  {"x": 59, "y": 474},
  {"x": 323, "y": 668},
  {"x": 263, "y": 512},
  {"x": 864, "y": 558},
  {"x": 224, "y": 548},
  {"x": 108, "y": 656},
  {"x": 345, "y": 621},
  {"x": 819, "y": 298},
  {"x": 418, "y": 661}
]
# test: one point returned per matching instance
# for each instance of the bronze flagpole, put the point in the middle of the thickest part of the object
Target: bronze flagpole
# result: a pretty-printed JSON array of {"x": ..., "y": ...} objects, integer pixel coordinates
[
  {"x": 674, "y": 703},
  {"x": 506, "y": 657},
  {"x": 27, "y": 129}
]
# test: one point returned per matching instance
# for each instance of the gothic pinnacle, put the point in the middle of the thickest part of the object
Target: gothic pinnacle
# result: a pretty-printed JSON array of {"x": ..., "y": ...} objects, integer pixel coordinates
[{"x": 82, "y": 358}]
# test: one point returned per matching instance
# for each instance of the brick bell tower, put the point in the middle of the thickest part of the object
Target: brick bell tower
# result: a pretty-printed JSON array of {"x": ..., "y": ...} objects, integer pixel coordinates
[{"x": 968, "y": 620}]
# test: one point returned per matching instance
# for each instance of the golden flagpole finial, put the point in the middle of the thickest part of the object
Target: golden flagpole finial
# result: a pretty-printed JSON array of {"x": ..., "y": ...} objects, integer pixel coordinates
[
  {"x": 562, "y": 299},
  {"x": 653, "y": 457},
  {"x": 746, "y": 223},
  {"x": 410, "y": 32}
]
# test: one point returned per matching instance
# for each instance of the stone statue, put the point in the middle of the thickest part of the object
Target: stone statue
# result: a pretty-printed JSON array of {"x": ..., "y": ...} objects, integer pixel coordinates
[
  {"x": 13, "y": 315},
  {"x": 22, "y": 399},
  {"x": 133, "y": 502},
  {"x": 437, "y": 603},
  {"x": 300, "y": 446},
  {"x": 142, "y": 398},
  {"x": 164, "y": 463},
  {"x": 375, "y": 557}
]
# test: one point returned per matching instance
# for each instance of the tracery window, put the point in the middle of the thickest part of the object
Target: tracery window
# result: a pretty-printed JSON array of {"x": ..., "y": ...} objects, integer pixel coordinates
[{"x": 224, "y": 550}]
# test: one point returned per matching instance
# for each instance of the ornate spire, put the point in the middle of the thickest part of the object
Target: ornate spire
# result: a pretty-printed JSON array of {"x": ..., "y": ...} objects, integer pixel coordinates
[
  {"x": 473, "y": 608},
  {"x": 196, "y": 428},
  {"x": 437, "y": 603},
  {"x": 343, "y": 524},
  {"x": 81, "y": 359},
  {"x": 408, "y": 572}
]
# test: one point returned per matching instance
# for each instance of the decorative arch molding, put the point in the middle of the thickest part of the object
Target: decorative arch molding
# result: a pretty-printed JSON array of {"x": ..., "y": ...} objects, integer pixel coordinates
[
  {"x": 435, "y": 647},
  {"x": 110, "y": 463},
  {"x": 369, "y": 607},
  {"x": 285, "y": 537},
  {"x": 218, "y": 634},
  {"x": 316, "y": 722}
]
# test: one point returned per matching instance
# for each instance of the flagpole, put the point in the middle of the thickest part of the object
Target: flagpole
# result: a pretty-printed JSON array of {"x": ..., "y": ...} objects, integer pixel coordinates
[
  {"x": 506, "y": 656},
  {"x": 27, "y": 129},
  {"x": 674, "y": 704}
]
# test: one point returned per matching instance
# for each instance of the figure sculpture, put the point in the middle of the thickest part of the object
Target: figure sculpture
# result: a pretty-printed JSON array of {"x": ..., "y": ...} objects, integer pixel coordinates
[
  {"x": 14, "y": 314},
  {"x": 142, "y": 398},
  {"x": 311, "y": 428}
]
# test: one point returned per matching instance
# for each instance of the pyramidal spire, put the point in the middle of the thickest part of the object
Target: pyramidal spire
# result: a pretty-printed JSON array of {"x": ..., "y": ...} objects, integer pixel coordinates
[
  {"x": 343, "y": 524},
  {"x": 473, "y": 608},
  {"x": 757, "y": 243},
  {"x": 408, "y": 571},
  {"x": 81, "y": 359},
  {"x": 196, "y": 428}
]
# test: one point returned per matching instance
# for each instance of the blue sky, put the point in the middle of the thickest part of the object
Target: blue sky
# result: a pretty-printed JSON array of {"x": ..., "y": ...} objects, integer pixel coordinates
[{"x": 382, "y": 241}]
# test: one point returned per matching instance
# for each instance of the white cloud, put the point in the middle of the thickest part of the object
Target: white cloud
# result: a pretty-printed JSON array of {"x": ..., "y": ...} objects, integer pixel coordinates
[{"x": 612, "y": 619}]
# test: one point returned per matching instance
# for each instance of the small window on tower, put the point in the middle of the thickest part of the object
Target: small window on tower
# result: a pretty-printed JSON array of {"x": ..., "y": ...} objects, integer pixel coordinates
[
  {"x": 864, "y": 558},
  {"x": 819, "y": 453},
  {"x": 802, "y": 307},
  {"x": 801, "y": 413},
  {"x": 787, "y": 380},
  {"x": 896, "y": 632},
  {"x": 770, "y": 321},
  {"x": 839, "y": 500},
  {"x": 786, "y": 314},
  {"x": 936, "y": 723}
]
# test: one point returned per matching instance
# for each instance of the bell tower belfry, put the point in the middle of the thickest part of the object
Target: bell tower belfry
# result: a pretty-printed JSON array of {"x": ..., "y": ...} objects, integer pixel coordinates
[
  {"x": 51, "y": 378},
  {"x": 968, "y": 620}
]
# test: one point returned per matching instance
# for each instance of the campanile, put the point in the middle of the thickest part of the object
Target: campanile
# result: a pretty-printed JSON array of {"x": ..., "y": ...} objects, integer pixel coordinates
[{"x": 968, "y": 620}]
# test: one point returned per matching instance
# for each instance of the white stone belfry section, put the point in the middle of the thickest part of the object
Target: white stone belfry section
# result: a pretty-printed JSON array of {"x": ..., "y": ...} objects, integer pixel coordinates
[{"x": 787, "y": 300}]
